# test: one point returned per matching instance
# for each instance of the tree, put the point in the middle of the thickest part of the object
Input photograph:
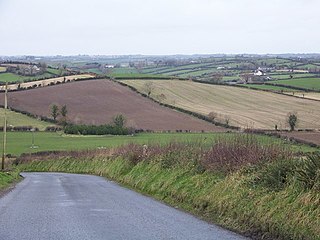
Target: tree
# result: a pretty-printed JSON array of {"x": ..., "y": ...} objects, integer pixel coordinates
[
  {"x": 64, "y": 112},
  {"x": 292, "y": 120},
  {"x": 54, "y": 111},
  {"x": 119, "y": 121}
]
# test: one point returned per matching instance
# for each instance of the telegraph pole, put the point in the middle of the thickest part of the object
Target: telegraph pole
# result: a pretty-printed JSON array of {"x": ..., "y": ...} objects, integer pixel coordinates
[{"x": 5, "y": 127}]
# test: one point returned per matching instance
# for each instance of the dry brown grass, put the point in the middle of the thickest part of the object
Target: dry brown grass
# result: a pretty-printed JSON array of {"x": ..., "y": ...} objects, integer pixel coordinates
[{"x": 243, "y": 107}]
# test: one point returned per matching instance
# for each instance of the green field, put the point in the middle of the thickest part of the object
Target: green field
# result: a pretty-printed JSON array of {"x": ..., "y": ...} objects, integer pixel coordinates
[
  {"x": 20, "y": 142},
  {"x": 137, "y": 76},
  {"x": 306, "y": 83},
  {"x": 10, "y": 77},
  {"x": 287, "y": 76},
  {"x": 266, "y": 87},
  {"x": 17, "y": 120}
]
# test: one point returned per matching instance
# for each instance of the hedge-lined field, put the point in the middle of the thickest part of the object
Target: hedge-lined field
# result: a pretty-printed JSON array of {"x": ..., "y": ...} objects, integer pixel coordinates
[
  {"x": 20, "y": 142},
  {"x": 306, "y": 83},
  {"x": 240, "y": 106},
  {"x": 15, "y": 119}
]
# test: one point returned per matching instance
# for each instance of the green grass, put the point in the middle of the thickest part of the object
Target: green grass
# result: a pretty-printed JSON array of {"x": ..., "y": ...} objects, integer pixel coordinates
[
  {"x": 10, "y": 77},
  {"x": 8, "y": 178},
  {"x": 124, "y": 71},
  {"x": 55, "y": 71},
  {"x": 287, "y": 76},
  {"x": 306, "y": 83},
  {"x": 20, "y": 142},
  {"x": 137, "y": 76},
  {"x": 254, "y": 200},
  {"x": 266, "y": 87},
  {"x": 17, "y": 120}
]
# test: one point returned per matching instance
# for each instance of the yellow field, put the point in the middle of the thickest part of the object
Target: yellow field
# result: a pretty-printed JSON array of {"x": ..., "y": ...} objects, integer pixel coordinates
[
  {"x": 3, "y": 69},
  {"x": 309, "y": 95},
  {"x": 242, "y": 107},
  {"x": 17, "y": 120}
]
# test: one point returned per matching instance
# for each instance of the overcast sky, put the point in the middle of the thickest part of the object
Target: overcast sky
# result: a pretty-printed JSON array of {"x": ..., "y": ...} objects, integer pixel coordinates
[{"x": 68, "y": 27}]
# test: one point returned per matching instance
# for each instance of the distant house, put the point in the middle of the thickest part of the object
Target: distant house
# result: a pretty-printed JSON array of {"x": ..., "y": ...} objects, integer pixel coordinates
[
  {"x": 109, "y": 66},
  {"x": 259, "y": 72},
  {"x": 221, "y": 68}
]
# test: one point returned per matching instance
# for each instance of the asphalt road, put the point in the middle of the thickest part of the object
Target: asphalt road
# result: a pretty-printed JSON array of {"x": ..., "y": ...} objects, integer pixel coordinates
[{"x": 69, "y": 206}]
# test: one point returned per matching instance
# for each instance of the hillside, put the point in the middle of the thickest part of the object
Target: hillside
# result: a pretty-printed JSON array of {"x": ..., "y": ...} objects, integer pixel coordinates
[
  {"x": 98, "y": 101},
  {"x": 240, "y": 106}
]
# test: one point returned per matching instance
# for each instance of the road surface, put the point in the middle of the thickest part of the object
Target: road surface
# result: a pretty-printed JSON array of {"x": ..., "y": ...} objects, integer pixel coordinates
[{"x": 68, "y": 206}]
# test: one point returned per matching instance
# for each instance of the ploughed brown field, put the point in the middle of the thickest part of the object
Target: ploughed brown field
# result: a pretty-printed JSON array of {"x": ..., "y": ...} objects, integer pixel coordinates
[
  {"x": 98, "y": 101},
  {"x": 311, "y": 137}
]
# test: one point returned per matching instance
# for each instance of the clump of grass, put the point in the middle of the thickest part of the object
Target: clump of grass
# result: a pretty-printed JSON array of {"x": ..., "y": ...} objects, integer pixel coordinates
[{"x": 308, "y": 172}]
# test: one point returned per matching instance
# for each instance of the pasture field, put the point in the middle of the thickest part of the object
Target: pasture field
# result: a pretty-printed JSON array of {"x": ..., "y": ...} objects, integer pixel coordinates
[
  {"x": 17, "y": 120},
  {"x": 137, "y": 76},
  {"x": 128, "y": 70},
  {"x": 287, "y": 76},
  {"x": 98, "y": 101},
  {"x": 267, "y": 87},
  {"x": 307, "y": 83},
  {"x": 239, "y": 106},
  {"x": 46, "y": 82},
  {"x": 10, "y": 77},
  {"x": 21, "y": 142}
]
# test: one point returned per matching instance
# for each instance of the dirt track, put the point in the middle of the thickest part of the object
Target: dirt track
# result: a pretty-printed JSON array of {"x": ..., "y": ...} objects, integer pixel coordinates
[{"x": 97, "y": 101}]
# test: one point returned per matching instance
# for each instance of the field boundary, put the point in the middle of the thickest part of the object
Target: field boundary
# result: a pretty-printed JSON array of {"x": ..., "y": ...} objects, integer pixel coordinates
[
  {"x": 256, "y": 89},
  {"x": 197, "y": 115}
]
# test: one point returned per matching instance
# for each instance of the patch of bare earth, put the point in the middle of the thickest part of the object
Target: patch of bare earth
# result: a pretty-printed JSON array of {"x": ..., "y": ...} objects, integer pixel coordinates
[
  {"x": 98, "y": 101},
  {"x": 310, "y": 137}
]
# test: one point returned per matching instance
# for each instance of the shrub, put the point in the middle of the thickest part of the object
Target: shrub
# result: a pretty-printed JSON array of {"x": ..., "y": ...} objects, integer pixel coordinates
[
  {"x": 232, "y": 154},
  {"x": 96, "y": 130},
  {"x": 275, "y": 175}
]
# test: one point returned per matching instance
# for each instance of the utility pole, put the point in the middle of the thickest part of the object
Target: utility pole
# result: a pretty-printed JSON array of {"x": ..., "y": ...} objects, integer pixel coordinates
[{"x": 5, "y": 127}]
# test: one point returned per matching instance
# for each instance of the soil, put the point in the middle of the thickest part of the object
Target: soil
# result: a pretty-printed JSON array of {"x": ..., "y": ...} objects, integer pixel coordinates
[{"x": 98, "y": 101}]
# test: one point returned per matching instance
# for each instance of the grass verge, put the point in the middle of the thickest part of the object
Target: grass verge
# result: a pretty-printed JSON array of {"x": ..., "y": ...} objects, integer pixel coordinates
[
  {"x": 262, "y": 198},
  {"x": 7, "y": 179}
]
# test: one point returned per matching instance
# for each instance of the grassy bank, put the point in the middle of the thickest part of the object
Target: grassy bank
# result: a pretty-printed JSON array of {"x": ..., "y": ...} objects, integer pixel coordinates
[
  {"x": 266, "y": 193},
  {"x": 7, "y": 179}
]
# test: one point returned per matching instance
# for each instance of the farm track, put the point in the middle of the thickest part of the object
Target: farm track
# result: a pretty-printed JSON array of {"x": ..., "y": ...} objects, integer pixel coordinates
[{"x": 98, "y": 101}]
